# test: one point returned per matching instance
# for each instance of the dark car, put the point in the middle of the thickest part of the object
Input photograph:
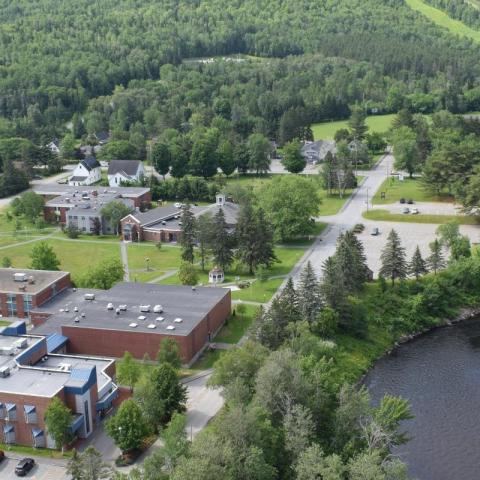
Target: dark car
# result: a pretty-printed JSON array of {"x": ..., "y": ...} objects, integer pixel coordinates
[
  {"x": 24, "y": 466},
  {"x": 402, "y": 200},
  {"x": 375, "y": 231},
  {"x": 410, "y": 201}
]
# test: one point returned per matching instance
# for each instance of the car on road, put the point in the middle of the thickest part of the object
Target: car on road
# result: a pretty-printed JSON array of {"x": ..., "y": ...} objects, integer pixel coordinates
[
  {"x": 375, "y": 231},
  {"x": 177, "y": 205},
  {"x": 410, "y": 201},
  {"x": 406, "y": 210},
  {"x": 24, "y": 466},
  {"x": 402, "y": 200},
  {"x": 415, "y": 211}
]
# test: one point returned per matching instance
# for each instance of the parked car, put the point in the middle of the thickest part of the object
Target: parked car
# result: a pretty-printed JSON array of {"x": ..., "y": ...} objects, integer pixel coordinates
[
  {"x": 402, "y": 200},
  {"x": 375, "y": 231},
  {"x": 406, "y": 210},
  {"x": 410, "y": 201},
  {"x": 24, "y": 466},
  {"x": 415, "y": 211},
  {"x": 177, "y": 205}
]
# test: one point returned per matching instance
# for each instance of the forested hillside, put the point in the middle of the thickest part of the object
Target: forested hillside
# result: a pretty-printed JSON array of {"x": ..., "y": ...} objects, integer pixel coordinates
[{"x": 55, "y": 56}]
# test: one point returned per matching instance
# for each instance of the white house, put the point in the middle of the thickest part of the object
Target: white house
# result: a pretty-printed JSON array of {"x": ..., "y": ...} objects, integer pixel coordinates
[
  {"x": 54, "y": 146},
  {"x": 124, "y": 171},
  {"x": 88, "y": 171}
]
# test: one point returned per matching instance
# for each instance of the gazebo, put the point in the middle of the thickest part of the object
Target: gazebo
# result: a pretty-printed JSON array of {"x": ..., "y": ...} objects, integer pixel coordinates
[{"x": 216, "y": 275}]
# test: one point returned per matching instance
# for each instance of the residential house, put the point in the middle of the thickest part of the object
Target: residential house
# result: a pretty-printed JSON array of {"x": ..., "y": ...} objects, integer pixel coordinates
[
  {"x": 125, "y": 171},
  {"x": 87, "y": 172},
  {"x": 314, "y": 152},
  {"x": 54, "y": 146}
]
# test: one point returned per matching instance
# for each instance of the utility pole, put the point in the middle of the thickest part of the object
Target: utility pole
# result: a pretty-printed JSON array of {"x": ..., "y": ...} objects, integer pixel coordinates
[{"x": 367, "y": 198}]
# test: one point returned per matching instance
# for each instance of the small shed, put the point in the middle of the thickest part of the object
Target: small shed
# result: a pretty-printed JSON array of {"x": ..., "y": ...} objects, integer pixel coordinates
[{"x": 216, "y": 275}]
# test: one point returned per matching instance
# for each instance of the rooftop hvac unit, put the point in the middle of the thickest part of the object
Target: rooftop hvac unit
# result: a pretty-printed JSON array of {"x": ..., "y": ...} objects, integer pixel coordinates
[
  {"x": 159, "y": 319},
  {"x": 22, "y": 288},
  {"x": 6, "y": 351},
  {"x": 110, "y": 306},
  {"x": 89, "y": 296},
  {"x": 66, "y": 309},
  {"x": 82, "y": 314},
  {"x": 178, "y": 320},
  {"x": 64, "y": 367},
  {"x": 145, "y": 308},
  {"x": 31, "y": 279},
  {"x": 133, "y": 325},
  {"x": 77, "y": 320},
  {"x": 122, "y": 308},
  {"x": 4, "y": 372},
  {"x": 157, "y": 309},
  {"x": 151, "y": 326},
  {"x": 170, "y": 327},
  {"x": 142, "y": 318},
  {"x": 20, "y": 277},
  {"x": 117, "y": 311},
  {"x": 75, "y": 309},
  {"x": 21, "y": 343}
]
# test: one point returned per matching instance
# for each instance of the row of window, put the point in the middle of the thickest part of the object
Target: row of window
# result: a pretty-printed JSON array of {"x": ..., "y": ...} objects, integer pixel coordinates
[
  {"x": 38, "y": 435},
  {"x": 8, "y": 411},
  {"x": 12, "y": 304}
]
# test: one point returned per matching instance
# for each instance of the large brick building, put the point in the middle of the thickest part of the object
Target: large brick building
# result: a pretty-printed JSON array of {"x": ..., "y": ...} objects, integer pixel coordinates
[
  {"x": 24, "y": 290},
  {"x": 31, "y": 376},
  {"x": 135, "y": 317}
]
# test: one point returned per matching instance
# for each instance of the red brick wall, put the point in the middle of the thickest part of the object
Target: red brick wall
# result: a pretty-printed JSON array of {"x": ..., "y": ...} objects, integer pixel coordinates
[
  {"x": 48, "y": 293},
  {"x": 131, "y": 221},
  {"x": 23, "y": 431},
  {"x": 38, "y": 318},
  {"x": 49, "y": 214}
]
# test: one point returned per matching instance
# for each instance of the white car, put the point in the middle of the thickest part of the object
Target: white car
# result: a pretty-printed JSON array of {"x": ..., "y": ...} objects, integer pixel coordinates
[
  {"x": 415, "y": 211},
  {"x": 177, "y": 205}
]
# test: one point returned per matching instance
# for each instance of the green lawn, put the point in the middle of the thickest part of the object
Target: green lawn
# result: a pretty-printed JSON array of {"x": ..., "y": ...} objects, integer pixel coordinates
[
  {"x": 408, "y": 188},
  {"x": 25, "y": 451},
  {"x": 236, "y": 326},
  {"x": 386, "y": 216},
  {"x": 326, "y": 130},
  {"x": 443, "y": 20},
  {"x": 258, "y": 291}
]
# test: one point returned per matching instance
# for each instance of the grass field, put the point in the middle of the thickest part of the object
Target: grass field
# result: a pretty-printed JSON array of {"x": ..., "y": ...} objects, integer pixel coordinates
[
  {"x": 237, "y": 325},
  {"x": 408, "y": 188},
  {"x": 443, "y": 20},
  {"x": 386, "y": 216},
  {"x": 376, "y": 123}
]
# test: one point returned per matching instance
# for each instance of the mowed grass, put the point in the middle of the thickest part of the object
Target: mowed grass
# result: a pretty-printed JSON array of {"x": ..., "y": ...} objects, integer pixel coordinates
[
  {"x": 237, "y": 325},
  {"x": 376, "y": 123},
  {"x": 443, "y": 20},
  {"x": 75, "y": 257},
  {"x": 409, "y": 188},
  {"x": 386, "y": 216}
]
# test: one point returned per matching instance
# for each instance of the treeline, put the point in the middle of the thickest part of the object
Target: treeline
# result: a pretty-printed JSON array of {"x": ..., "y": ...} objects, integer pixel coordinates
[
  {"x": 460, "y": 10},
  {"x": 55, "y": 58}
]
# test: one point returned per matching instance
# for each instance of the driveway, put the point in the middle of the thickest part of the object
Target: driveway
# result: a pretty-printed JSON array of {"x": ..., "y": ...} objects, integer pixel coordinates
[{"x": 43, "y": 470}]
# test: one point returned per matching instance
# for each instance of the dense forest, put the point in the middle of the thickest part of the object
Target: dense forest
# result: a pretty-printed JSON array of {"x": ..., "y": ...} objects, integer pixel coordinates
[
  {"x": 460, "y": 10},
  {"x": 56, "y": 56}
]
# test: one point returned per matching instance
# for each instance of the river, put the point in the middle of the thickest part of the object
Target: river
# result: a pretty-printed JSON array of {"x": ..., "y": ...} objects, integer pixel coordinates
[{"x": 439, "y": 373}]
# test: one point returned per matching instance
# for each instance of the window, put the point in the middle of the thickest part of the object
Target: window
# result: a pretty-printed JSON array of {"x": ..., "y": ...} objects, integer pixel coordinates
[
  {"x": 2, "y": 411},
  {"x": 12, "y": 304},
  {"x": 30, "y": 414},
  {"x": 11, "y": 412},
  {"x": 27, "y": 303},
  {"x": 87, "y": 417},
  {"x": 9, "y": 433}
]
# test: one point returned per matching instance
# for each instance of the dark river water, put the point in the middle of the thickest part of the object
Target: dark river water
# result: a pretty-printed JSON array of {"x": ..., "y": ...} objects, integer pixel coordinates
[{"x": 440, "y": 374}]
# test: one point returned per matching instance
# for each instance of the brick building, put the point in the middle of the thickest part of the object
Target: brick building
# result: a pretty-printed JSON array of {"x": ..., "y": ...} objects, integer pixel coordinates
[
  {"x": 135, "y": 317},
  {"x": 24, "y": 290},
  {"x": 31, "y": 376}
]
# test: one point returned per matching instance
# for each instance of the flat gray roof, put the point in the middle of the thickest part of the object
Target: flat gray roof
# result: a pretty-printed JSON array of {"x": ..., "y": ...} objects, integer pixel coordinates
[
  {"x": 64, "y": 189},
  {"x": 41, "y": 278},
  {"x": 178, "y": 302}
]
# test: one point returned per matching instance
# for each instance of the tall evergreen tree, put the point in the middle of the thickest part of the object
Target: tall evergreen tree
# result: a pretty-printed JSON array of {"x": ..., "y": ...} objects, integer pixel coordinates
[
  {"x": 187, "y": 239},
  {"x": 264, "y": 238},
  {"x": 204, "y": 236},
  {"x": 436, "y": 260},
  {"x": 309, "y": 296},
  {"x": 393, "y": 260},
  {"x": 290, "y": 303},
  {"x": 332, "y": 287},
  {"x": 351, "y": 261},
  {"x": 357, "y": 124},
  {"x": 221, "y": 242},
  {"x": 418, "y": 266}
]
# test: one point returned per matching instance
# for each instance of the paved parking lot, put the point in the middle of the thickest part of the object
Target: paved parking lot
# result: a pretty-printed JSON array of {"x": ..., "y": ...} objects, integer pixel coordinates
[{"x": 42, "y": 471}]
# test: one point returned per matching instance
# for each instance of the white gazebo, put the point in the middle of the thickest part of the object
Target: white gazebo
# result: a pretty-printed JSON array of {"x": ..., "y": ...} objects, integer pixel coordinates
[{"x": 216, "y": 275}]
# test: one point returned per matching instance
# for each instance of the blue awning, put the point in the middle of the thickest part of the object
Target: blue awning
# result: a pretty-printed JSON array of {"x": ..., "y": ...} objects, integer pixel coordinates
[
  {"x": 55, "y": 341},
  {"x": 37, "y": 432},
  {"x": 10, "y": 406},
  {"x": 107, "y": 400},
  {"x": 77, "y": 422},
  {"x": 29, "y": 409},
  {"x": 8, "y": 428}
]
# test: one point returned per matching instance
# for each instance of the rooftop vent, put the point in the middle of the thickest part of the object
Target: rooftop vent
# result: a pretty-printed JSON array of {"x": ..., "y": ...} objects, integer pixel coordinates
[
  {"x": 170, "y": 327},
  {"x": 4, "y": 372},
  {"x": 19, "y": 277},
  {"x": 193, "y": 288},
  {"x": 145, "y": 308},
  {"x": 117, "y": 311},
  {"x": 75, "y": 309},
  {"x": 142, "y": 317},
  {"x": 133, "y": 325},
  {"x": 74, "y": 289},
  {"x": 22, "y": 288},
  {"x": 178, "y": 320},
  {"x": 6, "y": 351},
  {"x": 64, "y": 367},
  {"x": 122, "y": 308},
  {"x": 157, "y": 309},
  {"x": 66, "y": 309},
  {"x": 89, "y": 296},
  {"x": 77, "y": 320},
  {"x": 164, "y": 222},
  {"x": 110, "y": 306},
  {"x": 31, "y": 279},
  {"x": 21, "y": 343},
  {"x": 82, "y": 314},
  {"x": 151, "y": 326},
  {"x": 159, "y": 319}
]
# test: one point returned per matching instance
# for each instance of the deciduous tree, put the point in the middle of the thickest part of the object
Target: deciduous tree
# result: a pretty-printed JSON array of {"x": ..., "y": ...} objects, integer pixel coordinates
[
  {"x": 58, "y": 419},
  {"x": 43, "y": 257}
]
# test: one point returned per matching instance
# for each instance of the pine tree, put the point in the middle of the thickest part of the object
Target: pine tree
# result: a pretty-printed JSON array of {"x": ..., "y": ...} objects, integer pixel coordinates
[
  {"x": 417, "y": 266},
  {"x": 221, "y": 242},
  {"x": 357, "y": 124},
  {"x": 332, "y": 287},
  {"x": 309, "y": 297},
  {"x": 288, "y": 299},
  {"x": 265, "y": 244},
  {"x": 187, "y": 239},
  {"x": 436, "y": 260},
  {"x": 393, "y": 260},
  {"x": 204, "y": 237},
  {"x": 351, "y": 262}
]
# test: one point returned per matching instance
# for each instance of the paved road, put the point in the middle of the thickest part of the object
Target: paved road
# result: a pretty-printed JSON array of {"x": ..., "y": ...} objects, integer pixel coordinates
[{"x": 45, "y": 469}]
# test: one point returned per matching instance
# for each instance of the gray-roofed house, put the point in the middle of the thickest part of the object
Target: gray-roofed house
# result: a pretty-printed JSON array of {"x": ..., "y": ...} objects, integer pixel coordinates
[
  {"x": 124, "y": 171},
  {"x": 163, "y": 224},
  {"x": 87, "y": 172},
  {"x": 314, "y": 152}
]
